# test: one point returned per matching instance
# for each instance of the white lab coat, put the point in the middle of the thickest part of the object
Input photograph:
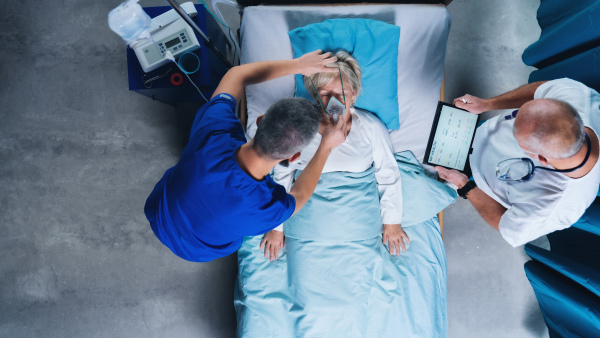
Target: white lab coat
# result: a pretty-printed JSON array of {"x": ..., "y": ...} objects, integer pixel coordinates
[
  {"x": 367, "y": 144},
  {"x": 550, "y": 201}
]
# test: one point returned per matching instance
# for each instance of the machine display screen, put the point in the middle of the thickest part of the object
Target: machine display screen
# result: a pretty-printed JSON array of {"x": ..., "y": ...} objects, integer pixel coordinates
[{"x": 172, "y": 43}]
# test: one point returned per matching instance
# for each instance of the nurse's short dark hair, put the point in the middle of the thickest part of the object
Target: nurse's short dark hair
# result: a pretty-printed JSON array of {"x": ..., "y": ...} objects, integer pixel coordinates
[{"x": 287, "y": 127}]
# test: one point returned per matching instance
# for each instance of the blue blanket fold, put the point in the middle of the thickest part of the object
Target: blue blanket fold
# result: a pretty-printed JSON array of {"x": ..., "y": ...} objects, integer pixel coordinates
[{"x": 327, "y": 215}]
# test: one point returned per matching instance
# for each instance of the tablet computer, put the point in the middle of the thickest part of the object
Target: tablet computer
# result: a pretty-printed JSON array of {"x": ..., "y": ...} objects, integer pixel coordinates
[{"x": 451, "y": 137}]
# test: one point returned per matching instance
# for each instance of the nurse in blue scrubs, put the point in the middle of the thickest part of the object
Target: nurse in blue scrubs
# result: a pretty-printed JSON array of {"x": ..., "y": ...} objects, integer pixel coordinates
[{"x": 220, "y": 190}]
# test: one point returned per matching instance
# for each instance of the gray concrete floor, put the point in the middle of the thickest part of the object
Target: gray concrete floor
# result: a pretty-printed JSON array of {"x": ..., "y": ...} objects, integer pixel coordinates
[
  {"x": 488, "y": 293},
  {"x": 79, "y": 154}
]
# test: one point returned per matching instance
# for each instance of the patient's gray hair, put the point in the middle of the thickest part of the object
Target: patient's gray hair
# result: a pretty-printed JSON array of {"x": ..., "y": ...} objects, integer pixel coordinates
[
  {"x": 287, "y": 128},
  {"x": 551, "y": 128},
  {"x": 350, "y": 71}
]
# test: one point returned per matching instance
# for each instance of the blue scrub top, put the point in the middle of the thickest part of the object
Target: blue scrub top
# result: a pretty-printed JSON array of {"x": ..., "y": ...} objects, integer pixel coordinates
[{"x": 204, "y": 206}]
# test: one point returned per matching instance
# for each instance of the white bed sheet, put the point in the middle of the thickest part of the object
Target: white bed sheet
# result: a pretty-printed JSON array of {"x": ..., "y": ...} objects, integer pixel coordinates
[{"x": 421, "y": 54}]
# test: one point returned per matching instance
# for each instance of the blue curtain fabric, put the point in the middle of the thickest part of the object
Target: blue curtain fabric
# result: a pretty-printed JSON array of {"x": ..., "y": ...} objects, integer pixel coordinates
[
  {"x": 566, "y": 280},
  {"x": 569, "y": 43}
]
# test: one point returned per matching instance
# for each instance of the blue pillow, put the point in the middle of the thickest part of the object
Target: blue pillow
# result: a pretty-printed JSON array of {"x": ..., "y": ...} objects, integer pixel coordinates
[{"x": 374, "y": 44}]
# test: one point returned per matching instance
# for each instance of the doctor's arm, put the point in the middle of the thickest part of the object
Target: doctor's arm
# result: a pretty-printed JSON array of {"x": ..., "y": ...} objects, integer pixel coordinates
[
  {"x": 238, "y": 77},
  {"x": 487, "y": 207},
  {"x": 512, "y": 99},
  {"x": 490, "y": 210}
]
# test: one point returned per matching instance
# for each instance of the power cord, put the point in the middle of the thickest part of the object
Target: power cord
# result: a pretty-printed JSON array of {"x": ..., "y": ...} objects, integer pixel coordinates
[{"x": 171, "y": 58}]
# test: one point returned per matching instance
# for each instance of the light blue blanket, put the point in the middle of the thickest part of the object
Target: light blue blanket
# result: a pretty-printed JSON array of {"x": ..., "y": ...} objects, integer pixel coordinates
[
  {"x": 326, "y": 215},
  {"x": 348, "y": 288}
]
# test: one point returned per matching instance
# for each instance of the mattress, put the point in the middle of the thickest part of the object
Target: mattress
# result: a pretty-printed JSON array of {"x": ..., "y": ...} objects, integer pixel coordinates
[{"x": 421, "y": 55}]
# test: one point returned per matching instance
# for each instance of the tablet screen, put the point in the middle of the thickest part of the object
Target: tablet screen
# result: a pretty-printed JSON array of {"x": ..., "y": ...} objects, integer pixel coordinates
[{"x": 453, "y": 137}]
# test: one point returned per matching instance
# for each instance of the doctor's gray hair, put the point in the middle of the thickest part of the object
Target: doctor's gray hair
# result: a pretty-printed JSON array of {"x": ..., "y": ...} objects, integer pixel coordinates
[
  {"x": 350, "y": 71},
  {"x": 287, "y": 127},
  {"x": 551, "y": 128}
]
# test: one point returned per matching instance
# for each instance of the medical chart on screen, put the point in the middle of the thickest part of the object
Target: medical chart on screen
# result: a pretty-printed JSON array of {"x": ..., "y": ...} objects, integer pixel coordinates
[{"x": 452, "y": 140}]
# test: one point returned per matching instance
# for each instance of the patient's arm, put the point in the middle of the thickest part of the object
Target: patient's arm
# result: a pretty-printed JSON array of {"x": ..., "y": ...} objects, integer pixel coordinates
[
  {"x": 386, "y": 170},
  {"x": 238, "y": 77},
  {"x": 274, "y": 240},
  {"x": 285, "y": 177}
]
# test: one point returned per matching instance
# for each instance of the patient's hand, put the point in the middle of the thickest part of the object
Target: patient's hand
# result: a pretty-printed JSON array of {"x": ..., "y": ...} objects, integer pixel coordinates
[
  {"x": 272, "y": 241},
  {"x": 395, "y": 236}
]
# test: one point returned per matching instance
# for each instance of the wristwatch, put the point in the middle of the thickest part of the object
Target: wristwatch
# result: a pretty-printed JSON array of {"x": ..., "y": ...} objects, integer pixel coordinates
[{"x": 462, "y": 192}]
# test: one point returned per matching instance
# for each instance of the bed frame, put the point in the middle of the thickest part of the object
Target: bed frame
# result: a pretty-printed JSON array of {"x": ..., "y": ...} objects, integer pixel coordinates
[
  {"x": 243, "y": 109},
  {"x": 335, "y": 2}
]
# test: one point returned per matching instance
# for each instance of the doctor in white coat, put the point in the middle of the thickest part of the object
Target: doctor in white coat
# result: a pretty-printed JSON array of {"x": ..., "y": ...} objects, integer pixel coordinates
[{"x": 536, "y": 170}]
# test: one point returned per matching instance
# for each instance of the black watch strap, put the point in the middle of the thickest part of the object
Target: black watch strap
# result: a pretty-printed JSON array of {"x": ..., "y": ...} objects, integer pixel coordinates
[{"x": 462, "y": 192}]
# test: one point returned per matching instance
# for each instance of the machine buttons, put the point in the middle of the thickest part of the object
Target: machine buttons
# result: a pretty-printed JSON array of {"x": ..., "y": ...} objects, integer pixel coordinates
[
  {"x": 179, "y": 46},
  {"x": 182, "y": 34},
  {"x": 174, "y": 48},
  {"x": 184, "y": 40}
]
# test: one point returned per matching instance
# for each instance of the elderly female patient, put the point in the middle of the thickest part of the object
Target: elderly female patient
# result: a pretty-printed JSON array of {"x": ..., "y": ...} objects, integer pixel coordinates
[{"x": 367, "y": 144}]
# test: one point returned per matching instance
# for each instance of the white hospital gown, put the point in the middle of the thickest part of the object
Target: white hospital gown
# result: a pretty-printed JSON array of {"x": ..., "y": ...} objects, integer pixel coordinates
[
  {"x": 549, "y": 201},
  {"x": 367, "y": 144}
]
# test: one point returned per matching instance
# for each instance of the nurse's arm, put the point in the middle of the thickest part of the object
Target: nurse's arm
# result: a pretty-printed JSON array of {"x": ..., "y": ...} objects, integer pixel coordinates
[
  {"x": 510, "y": 100},
  {"x": 307, "y": 181},
  {"x": 305, "y": 185},
  {"x": 238, "y": 77},
  {"x": 487, "y": 207}
]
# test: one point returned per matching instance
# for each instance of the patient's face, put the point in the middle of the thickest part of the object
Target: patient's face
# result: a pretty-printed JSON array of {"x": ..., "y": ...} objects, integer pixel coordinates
[{"x": 334, "y": 89}]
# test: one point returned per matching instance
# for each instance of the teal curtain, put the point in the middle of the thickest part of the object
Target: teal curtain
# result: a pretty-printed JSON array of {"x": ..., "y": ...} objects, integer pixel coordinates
[
  {"x": 569, "y": 45},
  {"x": 566, "y": 279}
]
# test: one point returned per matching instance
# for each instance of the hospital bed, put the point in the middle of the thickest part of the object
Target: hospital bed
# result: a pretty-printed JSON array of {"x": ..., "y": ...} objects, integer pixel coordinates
[{"x": 420, "y": 279}]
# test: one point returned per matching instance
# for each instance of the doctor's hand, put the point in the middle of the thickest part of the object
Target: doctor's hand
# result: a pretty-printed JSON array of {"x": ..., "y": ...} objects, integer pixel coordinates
[
  {"x": 314, "y": 62},
  {"x": 453, "y": 176},
  {"x": 395, "y": 236},
  {"x": 472, "y": 103},
  {"x": 272, "y": 242}
]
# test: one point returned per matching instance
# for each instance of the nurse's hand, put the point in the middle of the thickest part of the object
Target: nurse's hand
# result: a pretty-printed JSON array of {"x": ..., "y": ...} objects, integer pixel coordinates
[
  {"x": 272, "y": 242},
  {"x": 395, "y": 236},
  {"x": 334, "y": 134},
  {"x": 453, "y": 176},
  {"x": 472, "y": 103},
  {"x": 314, "y": 62}
]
